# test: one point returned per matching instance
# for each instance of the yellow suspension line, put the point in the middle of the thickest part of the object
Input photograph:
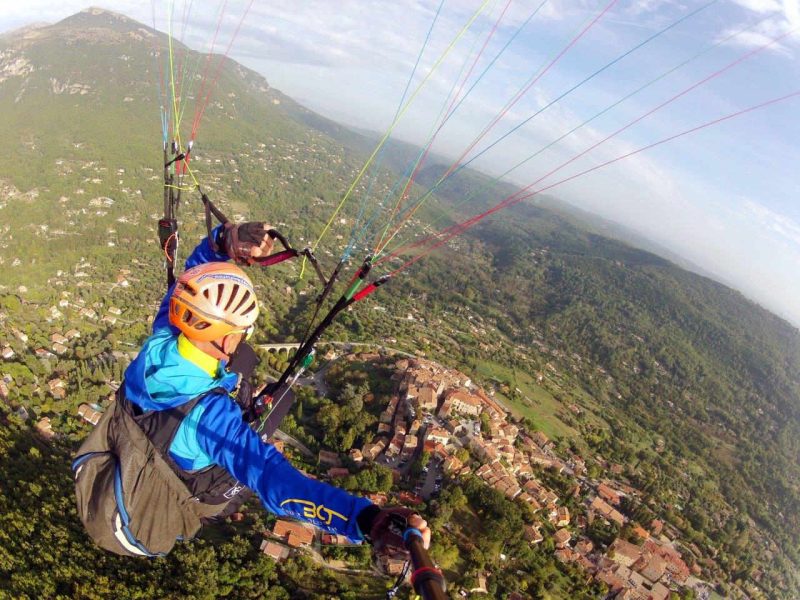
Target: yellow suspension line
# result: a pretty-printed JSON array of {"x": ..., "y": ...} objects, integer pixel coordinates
[
  {"x": 392, "y": 126},
  {"x": 176, "y": 133}
]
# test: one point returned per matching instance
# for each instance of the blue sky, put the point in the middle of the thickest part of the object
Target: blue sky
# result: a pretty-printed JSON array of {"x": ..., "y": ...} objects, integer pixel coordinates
[{"x": 725, "y": 198}]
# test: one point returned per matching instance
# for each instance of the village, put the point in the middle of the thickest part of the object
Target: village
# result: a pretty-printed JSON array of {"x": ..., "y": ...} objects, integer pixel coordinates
[
  {"x": 441, "y": 414},
  {"x": 437, "y": 412}
]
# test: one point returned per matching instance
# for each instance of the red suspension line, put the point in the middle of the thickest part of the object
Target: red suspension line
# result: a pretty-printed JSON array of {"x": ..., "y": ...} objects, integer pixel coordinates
[
  {"x": 222, "y": 62},
  {"x": 617, "y": 132},
  {"x": 404, "y": 194},
  {"x": 517, "y": 198},
  {"x": 510, "y": 104},
  {"x": 196, "y": 120},
  {"x": 527, "y": 88}
]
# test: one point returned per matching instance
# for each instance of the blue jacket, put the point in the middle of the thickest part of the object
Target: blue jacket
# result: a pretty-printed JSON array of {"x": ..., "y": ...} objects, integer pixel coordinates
[{"x": 215, "y": 433}]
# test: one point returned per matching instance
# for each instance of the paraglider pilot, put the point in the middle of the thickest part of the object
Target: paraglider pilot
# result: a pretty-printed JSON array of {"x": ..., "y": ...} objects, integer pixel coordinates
[{"x": 198, "y": 331}]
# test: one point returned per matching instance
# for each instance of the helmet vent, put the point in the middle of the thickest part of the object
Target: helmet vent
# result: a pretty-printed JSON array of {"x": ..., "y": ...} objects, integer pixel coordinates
[
  {"x": 232, "y": 297},
  {"x": 181, "y": 287},
  {"x": 245, "y": 298}
]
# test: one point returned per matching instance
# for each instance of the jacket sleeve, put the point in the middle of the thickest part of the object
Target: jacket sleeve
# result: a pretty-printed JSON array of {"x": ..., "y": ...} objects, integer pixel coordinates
[
  {"x": 202, "y": 253},
  {"x": 283, "y": 490}
]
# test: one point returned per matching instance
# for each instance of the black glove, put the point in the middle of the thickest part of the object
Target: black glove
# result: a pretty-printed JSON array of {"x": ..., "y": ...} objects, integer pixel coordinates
[
  {"x": 244, "y": 361},
  {"x": 246, "y": 241},
  {"x": 384, "y": 528}
]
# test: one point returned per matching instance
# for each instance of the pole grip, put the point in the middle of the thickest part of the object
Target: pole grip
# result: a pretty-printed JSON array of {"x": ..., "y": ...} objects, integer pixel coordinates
[
  {"x": 277, "y": 235},
  {"x": 426, "y": 578}
]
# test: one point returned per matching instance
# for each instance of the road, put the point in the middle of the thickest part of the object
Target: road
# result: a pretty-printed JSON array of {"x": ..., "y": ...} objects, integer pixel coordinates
[
  {"x": 294, "y": 443},
  {"x": 318, "y": 379},
  {"x": 429, "y": 481}
]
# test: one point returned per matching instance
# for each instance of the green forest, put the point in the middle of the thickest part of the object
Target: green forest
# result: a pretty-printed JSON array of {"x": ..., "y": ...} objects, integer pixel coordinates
[{"x": 684, "y": 382}]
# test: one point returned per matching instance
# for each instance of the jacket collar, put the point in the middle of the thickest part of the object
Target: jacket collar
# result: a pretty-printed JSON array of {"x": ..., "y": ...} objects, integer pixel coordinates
[{"x": 197, "y": 357}]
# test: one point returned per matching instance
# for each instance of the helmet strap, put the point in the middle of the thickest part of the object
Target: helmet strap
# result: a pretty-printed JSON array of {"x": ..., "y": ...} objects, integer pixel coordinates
[{"x": 220, "y": 349}]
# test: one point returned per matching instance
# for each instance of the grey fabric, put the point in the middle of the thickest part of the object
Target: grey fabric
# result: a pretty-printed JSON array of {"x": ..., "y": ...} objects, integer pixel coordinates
[{"x": 159, "y": 507}]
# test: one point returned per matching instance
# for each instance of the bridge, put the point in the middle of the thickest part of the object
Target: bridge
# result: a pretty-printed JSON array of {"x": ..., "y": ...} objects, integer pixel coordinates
[
  {"x": 346, "y": 345},
  {"x": 279, "y": 347}
]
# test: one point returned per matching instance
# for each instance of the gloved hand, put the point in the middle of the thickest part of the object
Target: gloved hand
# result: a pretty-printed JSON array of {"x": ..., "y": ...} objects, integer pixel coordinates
[
  {"x": 244, "y": 361},
  {"x": 245, "y": 242},
  {"x": 384, "y": 527}
]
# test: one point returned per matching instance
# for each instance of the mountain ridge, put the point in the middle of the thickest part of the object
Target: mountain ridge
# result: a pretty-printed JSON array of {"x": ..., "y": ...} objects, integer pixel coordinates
[{"x": 684, "y": 355}]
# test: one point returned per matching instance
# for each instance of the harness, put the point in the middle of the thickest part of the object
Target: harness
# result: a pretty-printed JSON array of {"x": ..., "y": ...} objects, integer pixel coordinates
[{"x": 213, "y": 485}]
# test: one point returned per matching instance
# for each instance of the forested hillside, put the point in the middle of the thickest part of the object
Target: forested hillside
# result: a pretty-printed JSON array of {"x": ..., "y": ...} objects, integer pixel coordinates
[{"x": 689, "y": 386}]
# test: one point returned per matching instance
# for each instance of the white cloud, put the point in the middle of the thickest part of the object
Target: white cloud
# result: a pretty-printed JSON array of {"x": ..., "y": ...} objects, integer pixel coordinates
[
  {"x": 791, "y": 8},
  {"x": 780, "y": 17},
  {"x": 760, "y": 6},
  {"x": 787, "y": 229}
]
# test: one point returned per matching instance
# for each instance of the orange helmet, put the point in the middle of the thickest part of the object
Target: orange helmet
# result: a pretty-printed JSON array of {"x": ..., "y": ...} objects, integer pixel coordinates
[{"x": 212, "y": 300}]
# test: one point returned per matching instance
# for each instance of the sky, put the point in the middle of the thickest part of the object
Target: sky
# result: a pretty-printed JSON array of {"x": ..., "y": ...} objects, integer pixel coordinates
[{"x": 726, "y": 197}]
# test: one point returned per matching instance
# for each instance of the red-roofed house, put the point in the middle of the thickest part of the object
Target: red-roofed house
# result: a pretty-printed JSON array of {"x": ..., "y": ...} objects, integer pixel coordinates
[
  {"x": 562, "y": 517},
  {"x": 293, "y": 533},
  {"x": 461, "y": 401},
  {"x": 438, "y": 434},
  {"x": 392, "y": 565},
  {"x": 332, "y": 539},
  {"x": 624, "y": 552},
  {"x": 89, "y": 414},
  {"x": 57, "y": 388},
  {"x": 562, "y": 538},
  {"x": 640, "y": 532},
  {"x": 659, "y": 592},
  {"x": 396, "y": 445},
  {"x": 57, "y": 338},
  {"x": 584, "y": 546},
  {"x": 656, "y": 526},
  {"x": 440, "y": 451},
  {"x": 445, "y": 409},
  {"x": 609, "y": 495},
  {"x": 45, "y": 428},
  {"x": 410, "y": 443},
  {"x": 427, "y": 398},
  {"x": 377, "y": 498},
  {"x": 606, "y": 511},
  {"x": 408, "y": 498},
  {"x": 541, "y": 439},
  {"x": 564, "y": 555},
  {"x": 452, "y": 465},
  {"x": 614, "y": 582},
  {"x": 371, "y": 451},
  {"x": 651, "y": 567},
  {"x": 532, "y": 534}
]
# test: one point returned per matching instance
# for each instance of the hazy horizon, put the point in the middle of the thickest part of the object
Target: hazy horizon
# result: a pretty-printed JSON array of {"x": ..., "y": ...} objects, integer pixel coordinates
[{"x": 721, "y": 198}]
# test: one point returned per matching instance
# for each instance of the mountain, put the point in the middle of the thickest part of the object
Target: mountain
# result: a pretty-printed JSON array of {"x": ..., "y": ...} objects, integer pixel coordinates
[{"x": 617, "y": 353}]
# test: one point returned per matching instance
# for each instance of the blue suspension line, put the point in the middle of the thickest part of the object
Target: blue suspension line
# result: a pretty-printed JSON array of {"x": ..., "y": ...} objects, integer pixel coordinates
[
  {"x": 379, "y": 162},
  {"x": 455, "y": 108},
  {"x": 572, "y": 89}
]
